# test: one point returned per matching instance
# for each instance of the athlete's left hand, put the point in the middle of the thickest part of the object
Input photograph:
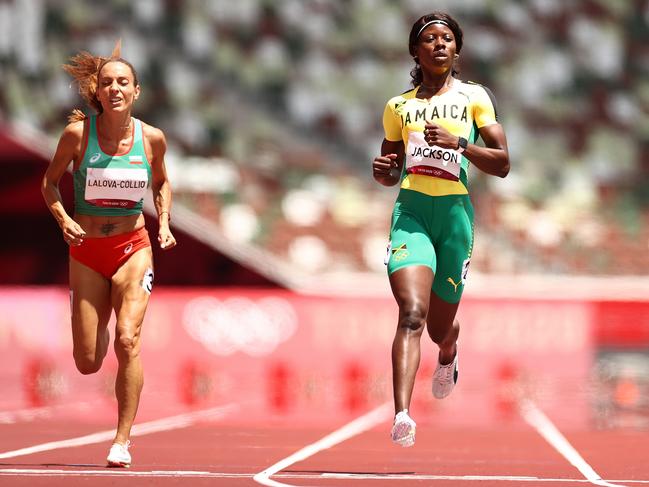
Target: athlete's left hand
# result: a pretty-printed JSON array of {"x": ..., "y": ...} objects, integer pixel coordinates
[
  {"x": 166, "y": 238},
  {"x": 437, "y": 135}
]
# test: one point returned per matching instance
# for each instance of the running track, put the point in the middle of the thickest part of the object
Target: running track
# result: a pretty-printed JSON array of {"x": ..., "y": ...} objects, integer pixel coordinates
[{"x": 238, "y": 443}]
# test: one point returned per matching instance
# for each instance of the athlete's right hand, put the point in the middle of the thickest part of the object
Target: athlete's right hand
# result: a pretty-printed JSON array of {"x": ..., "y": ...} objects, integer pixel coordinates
[
  {"x": 383, "y": 165},
  {"x": 383, "y": 169},
  {"x": 72, "y": 233}
]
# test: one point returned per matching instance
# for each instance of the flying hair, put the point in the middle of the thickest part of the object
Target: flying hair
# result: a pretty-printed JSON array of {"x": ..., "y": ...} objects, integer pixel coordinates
[
  {"x": 84, "y": 69},
  {"x": 117, "y": 50}
]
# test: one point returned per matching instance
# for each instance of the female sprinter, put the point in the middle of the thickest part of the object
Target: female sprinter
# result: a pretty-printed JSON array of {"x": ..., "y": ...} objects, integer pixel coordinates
[
  {"x": 430, "y": 135},
  {"x": 115, "y": 159}
]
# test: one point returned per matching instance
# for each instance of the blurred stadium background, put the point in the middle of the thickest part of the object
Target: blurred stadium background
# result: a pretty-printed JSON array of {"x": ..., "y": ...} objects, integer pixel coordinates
[{"x": 272, "y": 111}]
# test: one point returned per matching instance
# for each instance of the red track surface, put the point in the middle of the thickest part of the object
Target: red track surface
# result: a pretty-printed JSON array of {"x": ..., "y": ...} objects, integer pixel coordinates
[
  {"x": 297, "y": 410},
  {"x": 231, "y": 449}
]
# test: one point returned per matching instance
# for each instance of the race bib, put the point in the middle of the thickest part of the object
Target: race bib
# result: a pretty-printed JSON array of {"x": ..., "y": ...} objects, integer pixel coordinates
[
  {"x": 386, "y": 259},
  {"x": 147, "y": 280},
  {"x": 431, "y": 160},
  {"x": 116, "y": 187}
]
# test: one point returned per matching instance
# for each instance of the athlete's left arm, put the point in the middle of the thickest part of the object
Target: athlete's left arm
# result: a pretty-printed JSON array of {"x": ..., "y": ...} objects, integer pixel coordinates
[
  {"x": 160, "y": 184},
  {"x": 494, "y": 158}
]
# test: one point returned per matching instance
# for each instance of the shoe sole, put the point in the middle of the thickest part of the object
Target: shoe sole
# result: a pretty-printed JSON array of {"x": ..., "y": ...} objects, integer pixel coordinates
[
  {"x": 403, "y": 434},
  {"x": 118, "y": 465}
]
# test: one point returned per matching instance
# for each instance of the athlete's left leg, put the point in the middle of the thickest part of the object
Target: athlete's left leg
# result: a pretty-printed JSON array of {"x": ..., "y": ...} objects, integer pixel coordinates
[
  {"x": 453, "y": 249},
  {"x": 130, "y": 295},
  {"x": 442, "y": 327},
  {"x": 453, "y": 257}
]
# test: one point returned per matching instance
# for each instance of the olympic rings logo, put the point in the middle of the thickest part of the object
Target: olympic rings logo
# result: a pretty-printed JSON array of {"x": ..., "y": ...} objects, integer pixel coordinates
[
  {"x": 240, "y": 324},
  {"x": 401, "y": 255}
]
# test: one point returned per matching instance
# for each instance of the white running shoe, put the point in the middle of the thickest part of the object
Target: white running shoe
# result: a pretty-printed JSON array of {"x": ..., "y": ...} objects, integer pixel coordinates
[
  {"x": 118, "y": 456},
  {"x": 445, "y": 378},
  {"x": 403, "y": 430}
]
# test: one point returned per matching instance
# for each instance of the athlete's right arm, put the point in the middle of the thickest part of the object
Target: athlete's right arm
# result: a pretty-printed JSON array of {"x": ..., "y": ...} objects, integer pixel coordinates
[
  {"x": 68, "y": 150},
  {"x": 387, "y": 167}
]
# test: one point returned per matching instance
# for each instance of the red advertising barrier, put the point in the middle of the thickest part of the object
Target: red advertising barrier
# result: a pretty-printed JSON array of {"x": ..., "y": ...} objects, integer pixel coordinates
[
  {"x": 283, "y": 353},
  {"x": 622, "y": 323}
]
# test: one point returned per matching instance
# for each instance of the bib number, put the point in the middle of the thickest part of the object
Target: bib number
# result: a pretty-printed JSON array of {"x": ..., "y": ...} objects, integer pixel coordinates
[
  {"x": 147, "y": 281},
  {"x": 465, "y": 269}
]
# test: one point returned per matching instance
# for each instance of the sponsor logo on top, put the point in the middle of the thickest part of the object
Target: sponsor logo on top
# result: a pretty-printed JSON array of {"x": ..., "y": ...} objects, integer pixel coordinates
[{"x": 95, "y": 157}]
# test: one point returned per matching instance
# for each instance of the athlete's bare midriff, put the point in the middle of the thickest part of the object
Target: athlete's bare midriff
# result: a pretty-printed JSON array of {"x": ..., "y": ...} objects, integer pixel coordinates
[{"x": 108, "y": 226}]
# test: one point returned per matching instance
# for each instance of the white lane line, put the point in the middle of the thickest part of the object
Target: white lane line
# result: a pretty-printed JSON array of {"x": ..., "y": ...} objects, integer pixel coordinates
[
  {"x": 25, "y": 472},
  {"x": 355, "y": 427},
  {"x": 459, "y": 478},
  {"x": 164, "y": 424},
  {"x": 542, "y": 424},
  {"x": 108, "y": 472}
]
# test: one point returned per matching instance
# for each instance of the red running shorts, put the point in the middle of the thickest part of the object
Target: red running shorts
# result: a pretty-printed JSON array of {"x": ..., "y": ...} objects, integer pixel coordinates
[{"x": 106, "y": 254}]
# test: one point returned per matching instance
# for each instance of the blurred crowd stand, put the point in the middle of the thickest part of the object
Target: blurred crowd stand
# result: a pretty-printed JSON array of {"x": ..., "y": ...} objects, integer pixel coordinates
[{"x": 272, "y": 110}]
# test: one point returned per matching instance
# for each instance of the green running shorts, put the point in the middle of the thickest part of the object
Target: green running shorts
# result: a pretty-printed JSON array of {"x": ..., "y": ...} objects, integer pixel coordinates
[{"x": 435, "y": 231}]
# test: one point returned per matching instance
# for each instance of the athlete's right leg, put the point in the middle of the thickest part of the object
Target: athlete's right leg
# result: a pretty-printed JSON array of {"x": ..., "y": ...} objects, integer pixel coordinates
[
  {"x": 411, "y": 288},
  {"x": 411, "y": 264},
  {"x": 91, "y": 309}
]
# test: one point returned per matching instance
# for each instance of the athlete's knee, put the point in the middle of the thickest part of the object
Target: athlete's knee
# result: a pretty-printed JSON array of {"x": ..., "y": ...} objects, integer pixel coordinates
[
  {"x": 127, "y": 345},
  {"x": 87, "y": 364},
  {"x": 412, "y": 317}
]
